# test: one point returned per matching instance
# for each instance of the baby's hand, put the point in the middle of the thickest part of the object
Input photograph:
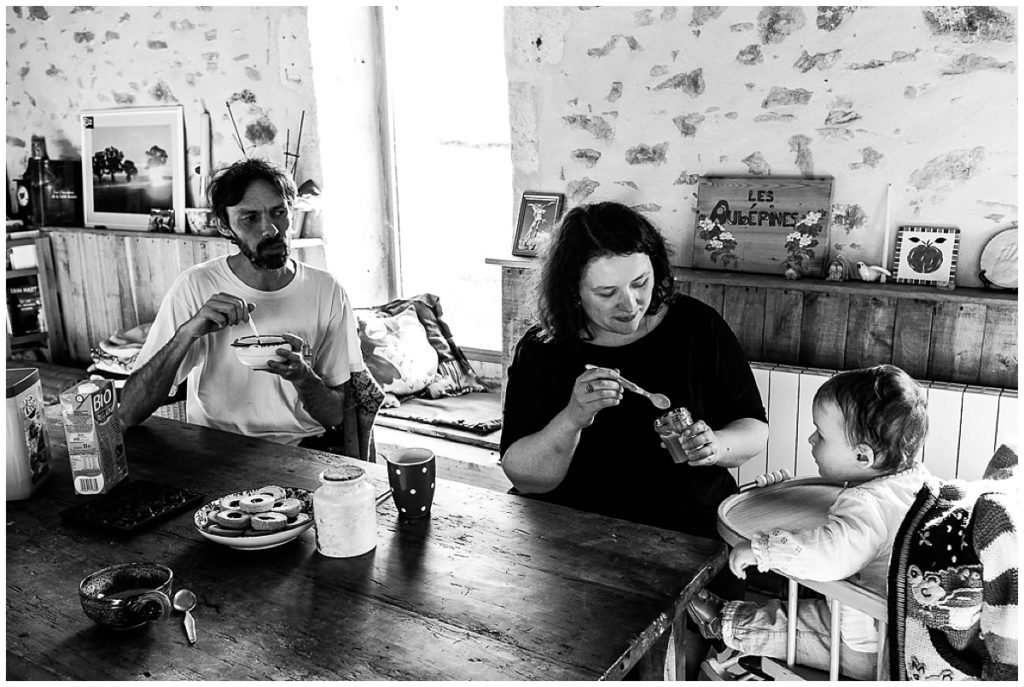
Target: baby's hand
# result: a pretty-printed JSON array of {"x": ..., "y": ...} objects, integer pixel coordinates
[{"x": 740, "y": 558}]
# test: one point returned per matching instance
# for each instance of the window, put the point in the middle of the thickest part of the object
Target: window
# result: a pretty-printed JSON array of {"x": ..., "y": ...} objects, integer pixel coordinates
[{"x": 449, "y": 99}]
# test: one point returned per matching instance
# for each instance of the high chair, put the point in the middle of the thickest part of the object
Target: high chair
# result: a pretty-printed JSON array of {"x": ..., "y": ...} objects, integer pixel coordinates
[{"x": 776, "y": 500}]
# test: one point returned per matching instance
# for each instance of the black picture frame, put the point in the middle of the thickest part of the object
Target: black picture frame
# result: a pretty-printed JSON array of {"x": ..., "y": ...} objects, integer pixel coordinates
[{"x": 539, "y": 213}]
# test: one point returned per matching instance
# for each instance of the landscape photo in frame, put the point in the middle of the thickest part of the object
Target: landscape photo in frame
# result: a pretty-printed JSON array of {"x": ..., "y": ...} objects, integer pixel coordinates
[{"x": 133, "y": 163}]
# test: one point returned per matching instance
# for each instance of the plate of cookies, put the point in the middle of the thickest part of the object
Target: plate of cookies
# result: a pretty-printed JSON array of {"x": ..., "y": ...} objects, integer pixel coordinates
[{"x": 257, "y": 518}]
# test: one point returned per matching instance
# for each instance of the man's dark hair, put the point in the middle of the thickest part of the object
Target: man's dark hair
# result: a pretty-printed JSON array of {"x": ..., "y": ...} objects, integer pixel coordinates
[
  {"x": 230, "y": 184},
  {"x": 882, "y": 407},
  {"x": 587, "y": 232}
]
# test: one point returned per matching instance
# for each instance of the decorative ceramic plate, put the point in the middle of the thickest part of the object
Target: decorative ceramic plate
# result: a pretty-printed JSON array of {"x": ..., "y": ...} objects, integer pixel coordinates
[
  {"x": 999, "y": 259},
  {"x": 248, "y": 540}
]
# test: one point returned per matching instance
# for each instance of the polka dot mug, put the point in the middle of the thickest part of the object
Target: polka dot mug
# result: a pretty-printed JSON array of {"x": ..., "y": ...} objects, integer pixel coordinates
[{"x": 411, "y": 475}]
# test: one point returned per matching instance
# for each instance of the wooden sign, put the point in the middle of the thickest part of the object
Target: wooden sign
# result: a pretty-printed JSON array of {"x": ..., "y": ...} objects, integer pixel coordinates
[{"x": 771, "y": 225}]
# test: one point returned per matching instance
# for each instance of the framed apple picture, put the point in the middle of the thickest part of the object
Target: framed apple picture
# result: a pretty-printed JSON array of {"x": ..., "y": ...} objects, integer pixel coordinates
[{"x": 926, "y": 255}]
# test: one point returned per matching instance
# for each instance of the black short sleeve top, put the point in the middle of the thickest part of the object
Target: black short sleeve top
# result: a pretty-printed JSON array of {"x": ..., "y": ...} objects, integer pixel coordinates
[{"x": 619, "y": 467}]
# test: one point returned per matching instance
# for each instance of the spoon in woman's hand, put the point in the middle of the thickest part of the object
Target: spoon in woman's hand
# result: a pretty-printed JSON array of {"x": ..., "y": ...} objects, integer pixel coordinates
[
  {"x": 185, "y": 601},
  {"x": 660, "y": 401}
]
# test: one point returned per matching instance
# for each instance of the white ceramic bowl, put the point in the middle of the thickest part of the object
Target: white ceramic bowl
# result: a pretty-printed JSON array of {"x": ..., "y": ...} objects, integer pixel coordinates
[
  {"x": 255, "y": 351},
  {"x": 258, "y": 541}
]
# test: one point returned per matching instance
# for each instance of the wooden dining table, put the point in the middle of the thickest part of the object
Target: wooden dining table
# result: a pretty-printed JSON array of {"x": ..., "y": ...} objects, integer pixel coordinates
[{"x": 489, "y": 586}]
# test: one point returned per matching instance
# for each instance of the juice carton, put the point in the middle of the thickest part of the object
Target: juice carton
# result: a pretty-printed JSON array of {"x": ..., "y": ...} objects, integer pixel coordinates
[
  {"x": 95, "y": 444},
  {"x": 28, "y": 454}
]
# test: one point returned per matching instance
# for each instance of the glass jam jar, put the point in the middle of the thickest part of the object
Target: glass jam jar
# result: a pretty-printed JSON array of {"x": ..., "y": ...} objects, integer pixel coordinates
[
  {"x": 345, "y": 513},
  {"x": 669, "y": 426}
]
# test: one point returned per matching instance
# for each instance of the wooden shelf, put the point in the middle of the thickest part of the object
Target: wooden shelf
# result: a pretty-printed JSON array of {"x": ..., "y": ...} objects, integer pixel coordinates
[
  {"x": 859, "y": 288},
  {"x": 964, "y": 335},
  {"x": 38, "y": 337},
  {"x": 128, "y": 233},
  {"x": 52, "y": 340}
]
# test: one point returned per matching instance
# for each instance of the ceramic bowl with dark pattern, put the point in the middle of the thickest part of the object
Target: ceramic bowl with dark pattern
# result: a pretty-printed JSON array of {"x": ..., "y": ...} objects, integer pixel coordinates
[{"x": 127, "y": 595}]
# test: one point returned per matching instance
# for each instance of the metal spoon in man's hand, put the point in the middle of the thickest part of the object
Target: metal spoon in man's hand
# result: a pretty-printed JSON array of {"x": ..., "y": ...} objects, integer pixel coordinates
[{"x": 185, "y": 601}]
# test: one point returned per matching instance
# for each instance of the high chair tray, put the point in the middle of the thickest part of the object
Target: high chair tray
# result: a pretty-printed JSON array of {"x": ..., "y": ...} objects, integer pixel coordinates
[{"x": 795, "y": 504}]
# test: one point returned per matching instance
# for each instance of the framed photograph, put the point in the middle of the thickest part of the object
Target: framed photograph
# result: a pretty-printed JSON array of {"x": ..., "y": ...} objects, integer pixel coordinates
[
  {"x": 133, "y": 162},
  {"x": 539, "y": 213},
  {"x": 768, "y": 225},
  {"x": 926, "y": 255}
]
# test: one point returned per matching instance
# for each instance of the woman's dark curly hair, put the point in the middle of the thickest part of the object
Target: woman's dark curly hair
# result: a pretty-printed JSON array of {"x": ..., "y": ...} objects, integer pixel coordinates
[{"x": 587, "y": 232}]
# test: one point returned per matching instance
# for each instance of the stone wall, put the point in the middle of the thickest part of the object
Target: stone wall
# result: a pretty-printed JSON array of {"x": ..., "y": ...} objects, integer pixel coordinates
[
  {"x": 634, "y": 104},
  {"x": 62, "y": 60}
]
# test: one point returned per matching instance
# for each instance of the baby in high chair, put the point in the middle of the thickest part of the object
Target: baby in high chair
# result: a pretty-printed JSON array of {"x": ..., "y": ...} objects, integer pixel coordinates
[{"x": 870, "y": 426}]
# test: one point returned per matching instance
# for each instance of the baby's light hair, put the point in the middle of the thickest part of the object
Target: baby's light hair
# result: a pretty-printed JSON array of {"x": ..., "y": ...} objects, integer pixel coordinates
[{"x": 882, "y": 407}]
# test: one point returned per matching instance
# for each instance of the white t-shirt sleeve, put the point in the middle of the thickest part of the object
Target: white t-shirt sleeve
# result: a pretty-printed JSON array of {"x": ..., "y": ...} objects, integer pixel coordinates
[
  {"x": 339, "y": 354},
  {"x": 175, "y": 309}
]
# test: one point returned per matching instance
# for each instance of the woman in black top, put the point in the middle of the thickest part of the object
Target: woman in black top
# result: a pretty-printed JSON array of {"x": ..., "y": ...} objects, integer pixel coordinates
[{"x": 571, "y": 436}]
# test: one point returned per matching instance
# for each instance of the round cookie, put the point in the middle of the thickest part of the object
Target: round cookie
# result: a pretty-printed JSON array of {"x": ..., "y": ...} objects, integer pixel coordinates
[
  {"x": 275, "y": 491},
  {"x": 232, "y": 519},
  {"x": 299, "y": 519},
  {"x": 214, "y": 528},
  {"x": 230, "y": 502},
  {"x": 269, "y": 522},
  {"x": 289, "y": 508},
  {"x": 256, "y": 503}
]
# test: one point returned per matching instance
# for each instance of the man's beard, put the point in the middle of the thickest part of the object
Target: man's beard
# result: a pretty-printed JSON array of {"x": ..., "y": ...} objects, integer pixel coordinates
[{"x": 263, "y": 259}]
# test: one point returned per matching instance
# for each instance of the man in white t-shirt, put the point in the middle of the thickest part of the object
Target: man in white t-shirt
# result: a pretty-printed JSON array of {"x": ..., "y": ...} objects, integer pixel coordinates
[{"x": 199, "y": 318}]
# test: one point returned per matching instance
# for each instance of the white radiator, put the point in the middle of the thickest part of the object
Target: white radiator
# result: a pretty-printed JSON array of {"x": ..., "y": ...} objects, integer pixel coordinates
[{"x": 966, "y": 424}]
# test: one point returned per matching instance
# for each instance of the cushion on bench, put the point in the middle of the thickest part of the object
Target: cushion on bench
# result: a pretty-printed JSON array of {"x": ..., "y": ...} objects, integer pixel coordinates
[{"x": 476, "y": 412}]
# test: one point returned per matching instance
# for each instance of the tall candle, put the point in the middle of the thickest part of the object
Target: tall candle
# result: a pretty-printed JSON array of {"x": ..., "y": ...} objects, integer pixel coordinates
[
  {"x": 205, "y": 160},
  {"x": 888, "y": 229},
  {"x": 204, "y": 144}
]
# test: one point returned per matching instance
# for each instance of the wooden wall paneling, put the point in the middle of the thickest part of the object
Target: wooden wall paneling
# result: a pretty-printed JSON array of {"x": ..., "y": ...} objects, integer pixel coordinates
[
  {"x": 68, "y": 268},
  {"x": 56, "y": 341},
  {"x": 870, "y": 332},
  {"x": 681, "y": 286},
  {"x": 958, "y": 332},
  {"x": 942, "y": 445},
  {"x": 207, "y": 250},
  {"x": 108, "y": 287},
  {"x": 712, "y": 294},
  {"x": 978, "y": 419},
  {"x": 823, "y": 329},
  {"x": 517, "y": 313},
  {"x": 757, "y": 465},
  {"x": 783, "y": 321},
  {"x": 783, "y": 406},
  {"x": 155, "y": 266},
  {"x": 912, "y": 336},
  {"x": 743, "y": 310},
  {"x": 999, "y": 350},
  {"x": 810, "y": 382},
  {"x": 1007, "y": 426}
]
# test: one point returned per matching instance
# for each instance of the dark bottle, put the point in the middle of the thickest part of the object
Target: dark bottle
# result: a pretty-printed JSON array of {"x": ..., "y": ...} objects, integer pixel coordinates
[{"x": 54, "y": 188}]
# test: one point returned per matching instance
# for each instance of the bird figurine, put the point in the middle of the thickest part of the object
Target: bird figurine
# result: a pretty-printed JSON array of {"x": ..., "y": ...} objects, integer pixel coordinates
[{"x": 871, "y": 272}]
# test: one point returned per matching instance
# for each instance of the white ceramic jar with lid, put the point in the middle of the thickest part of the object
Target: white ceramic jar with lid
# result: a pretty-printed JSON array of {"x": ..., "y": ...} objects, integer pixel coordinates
[{"x": 345, "y": 512}]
